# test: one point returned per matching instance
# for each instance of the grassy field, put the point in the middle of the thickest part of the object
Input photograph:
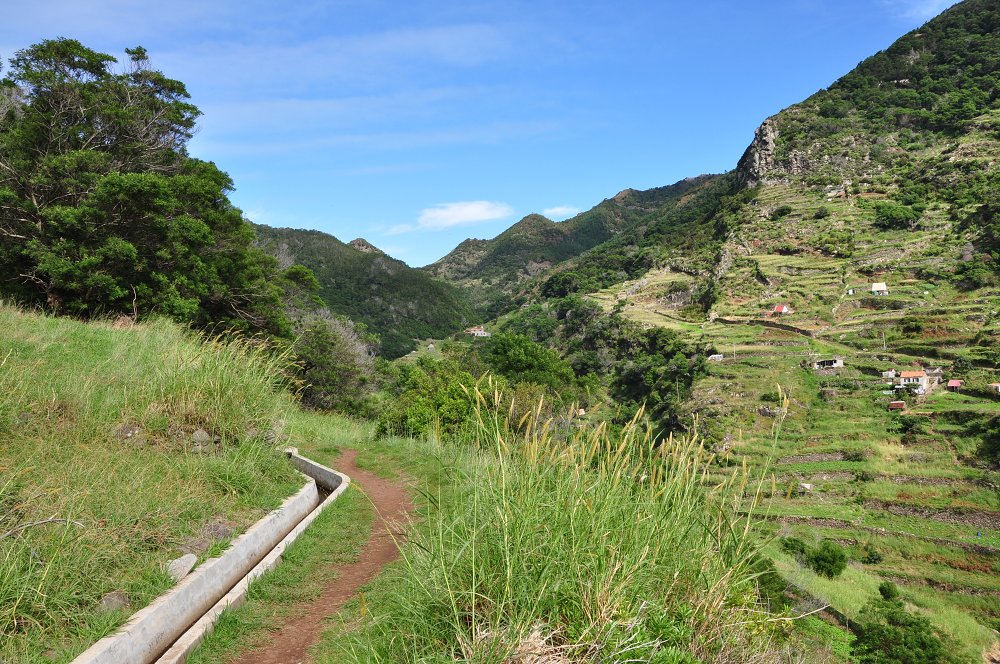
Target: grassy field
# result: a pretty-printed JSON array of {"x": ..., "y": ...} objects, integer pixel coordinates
[{"x": 97, "y": 423}]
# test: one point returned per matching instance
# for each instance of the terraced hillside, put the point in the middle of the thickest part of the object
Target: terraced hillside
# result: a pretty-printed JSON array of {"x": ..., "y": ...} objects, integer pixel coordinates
[
  {"x": 905, "y": 492},
  {"x": 864, "y": 236}
]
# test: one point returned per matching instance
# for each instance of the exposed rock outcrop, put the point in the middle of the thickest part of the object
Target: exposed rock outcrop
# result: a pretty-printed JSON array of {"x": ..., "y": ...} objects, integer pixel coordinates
[{"x": 759, "y": 158}]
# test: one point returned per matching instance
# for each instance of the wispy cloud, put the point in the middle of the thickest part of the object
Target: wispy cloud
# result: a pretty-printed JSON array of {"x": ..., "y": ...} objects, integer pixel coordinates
[
  {"x": 561, "y": 212},
  {"x": 449, "y": 215},
  {"x": 920, "y": 10}
]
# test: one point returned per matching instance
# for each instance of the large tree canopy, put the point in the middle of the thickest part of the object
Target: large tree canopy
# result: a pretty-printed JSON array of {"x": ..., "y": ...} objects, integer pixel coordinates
[{"x": 102, "y": 211}]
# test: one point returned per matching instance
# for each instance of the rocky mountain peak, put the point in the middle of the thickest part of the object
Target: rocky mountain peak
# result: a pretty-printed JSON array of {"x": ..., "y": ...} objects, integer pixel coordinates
[{"x": 364, "y": 245}]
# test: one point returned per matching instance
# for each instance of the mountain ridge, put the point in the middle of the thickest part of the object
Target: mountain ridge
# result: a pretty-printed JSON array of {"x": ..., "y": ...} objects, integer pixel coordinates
[{"x": 360, "y": 281}]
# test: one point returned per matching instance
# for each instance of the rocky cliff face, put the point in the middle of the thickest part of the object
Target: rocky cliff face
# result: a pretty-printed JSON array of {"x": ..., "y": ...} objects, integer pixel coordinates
[
  {"x": 759, "y": 158},
  {"x": 761, "y": 163}
]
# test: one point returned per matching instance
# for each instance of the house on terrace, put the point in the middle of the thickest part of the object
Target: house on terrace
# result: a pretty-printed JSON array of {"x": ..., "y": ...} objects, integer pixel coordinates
[
  {"x": 880, "y": 288},
  {"x": 781, "y": 309},
  {"x": 914, "y": 380}
]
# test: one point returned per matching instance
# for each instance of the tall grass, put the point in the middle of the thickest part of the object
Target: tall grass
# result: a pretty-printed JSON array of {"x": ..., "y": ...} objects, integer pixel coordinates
[
  {"x": 68, "y": 394},
  {"x": 594, "y": 546}
]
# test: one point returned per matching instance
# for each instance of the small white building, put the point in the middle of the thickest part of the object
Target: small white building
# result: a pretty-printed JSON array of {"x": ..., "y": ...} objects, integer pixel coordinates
[
  {"x": 913, "y": 379},
  {"x": 889, "y": 375},
  {"x": 830, "y": 363},
  {"x": 477, "y": 331},
  {"x": 880, "y": 288},
  {"x": 995, "y": 387},
  {"x": 718, "y": 357}
]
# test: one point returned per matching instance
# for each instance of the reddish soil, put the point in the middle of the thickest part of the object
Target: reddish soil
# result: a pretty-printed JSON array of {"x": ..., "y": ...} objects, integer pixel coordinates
[{"x": 392, "y": 503}]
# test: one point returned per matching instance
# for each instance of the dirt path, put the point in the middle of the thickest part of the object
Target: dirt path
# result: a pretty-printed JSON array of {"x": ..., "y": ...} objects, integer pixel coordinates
[{"x": 392, "y": 503}]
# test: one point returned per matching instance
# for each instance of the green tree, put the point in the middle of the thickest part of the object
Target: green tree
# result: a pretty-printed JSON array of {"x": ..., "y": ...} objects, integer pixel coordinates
[
  {"x": 101, "y": 209},
  {"x": 890, "y": 215},
  {"x": 521, "y": 360}
]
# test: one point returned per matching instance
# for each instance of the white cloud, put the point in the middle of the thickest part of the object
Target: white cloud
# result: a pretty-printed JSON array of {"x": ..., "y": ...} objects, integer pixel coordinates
[
  {"x": 920, "y": 10},
  {"x": 561, "y": 212},
  {"x": 449, "y": 215}
]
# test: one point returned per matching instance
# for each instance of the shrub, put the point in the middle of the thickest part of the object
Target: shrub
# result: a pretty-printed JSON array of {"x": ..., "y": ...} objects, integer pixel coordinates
[
  {"x": 888, "y": 590},
  {"x": 829, "y": 559},
  {"x": 794, "y": 546},
  {"x": 890, "y": 215},
  {"x": 822, "y": 213},
  {"x": 781, "y": 211},
  {"x": 886, "y": 632},
  {"x": 871, "y": 556}
]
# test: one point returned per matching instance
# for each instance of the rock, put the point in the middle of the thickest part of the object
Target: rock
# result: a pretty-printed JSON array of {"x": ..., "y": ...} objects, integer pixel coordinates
[
  {"x": 201, "y": 437},
  {"x": 114, "y": 600},
  {"x": 270, "y": 436},
  {"x": 217, "y": 528},
  {"x": 128, "y": 431},
  {"x": 181, "y": 567}
]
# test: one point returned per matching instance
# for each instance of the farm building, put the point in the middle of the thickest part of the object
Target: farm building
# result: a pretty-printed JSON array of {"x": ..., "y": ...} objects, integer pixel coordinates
[
  {"x": 880, "y": 288},
  {"x": 955, "y": 385},
  {"x": 831, "y": 363},
  {"x": 897, "y": 405},
  {"x": 913, "y": 379},
  {"x": 995, "y": 387},
  {"x": 477, "y": 331},
  {"x": 889, "y": 375},
  {"x": 780, "y": 309},
  {"x": 718, "y": 357}
]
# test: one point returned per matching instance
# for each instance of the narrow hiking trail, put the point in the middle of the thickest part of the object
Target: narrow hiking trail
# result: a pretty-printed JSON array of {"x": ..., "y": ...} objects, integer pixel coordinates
[{"x": 391, "y": 504}]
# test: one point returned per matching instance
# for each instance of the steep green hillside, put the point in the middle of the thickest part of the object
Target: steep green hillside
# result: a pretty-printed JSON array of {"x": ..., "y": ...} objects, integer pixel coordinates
[
  {"x": 890, "y": 176},
  {"x": 396, "y": 302},
  {"x": 535, "y": 244}
]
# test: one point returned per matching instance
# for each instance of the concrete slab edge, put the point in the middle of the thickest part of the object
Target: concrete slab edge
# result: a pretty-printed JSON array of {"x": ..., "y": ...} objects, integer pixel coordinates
[
  {"x": 325, "y": 477},
  {"x": 152, "y": 630}
]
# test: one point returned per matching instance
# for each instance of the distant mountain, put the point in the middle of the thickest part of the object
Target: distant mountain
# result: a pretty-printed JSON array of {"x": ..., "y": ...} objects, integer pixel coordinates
[
  {"x": 359, "y": 281},
  {"x": 535, "y": 243}
]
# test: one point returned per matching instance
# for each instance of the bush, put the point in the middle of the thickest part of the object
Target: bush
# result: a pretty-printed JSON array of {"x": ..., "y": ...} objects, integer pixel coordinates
[
  {"x": 822, "y": 213},
  {"x": 871, "y": 556},
  {"x": 829, "y": 559},
  {"x": 890, "y": 215},
  {"x": 888, "y": 590},
  {"x": 781, "y": 211},
  {"x": 886, "y": 632},
  {"x": 794, "y": 546}
]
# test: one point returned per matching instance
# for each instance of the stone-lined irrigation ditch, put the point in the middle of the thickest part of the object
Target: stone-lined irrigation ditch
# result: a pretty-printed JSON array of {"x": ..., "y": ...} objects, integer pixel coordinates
[{"x": 168, "y": 630}]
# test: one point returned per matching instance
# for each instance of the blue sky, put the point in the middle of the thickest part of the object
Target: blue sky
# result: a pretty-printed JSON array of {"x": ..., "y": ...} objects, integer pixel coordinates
[{"x": 418, "y": 124}]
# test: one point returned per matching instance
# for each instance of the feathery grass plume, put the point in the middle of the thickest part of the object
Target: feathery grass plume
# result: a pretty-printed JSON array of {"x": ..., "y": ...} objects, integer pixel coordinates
[{"x": 591, "y": 546}]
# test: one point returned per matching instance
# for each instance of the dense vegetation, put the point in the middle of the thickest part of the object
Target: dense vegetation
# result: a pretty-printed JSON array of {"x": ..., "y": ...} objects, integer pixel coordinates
[
  {"x": 571, "y": 546},
  {"x": 395, "y": 302},
  {"x": 101, "y": 210}
]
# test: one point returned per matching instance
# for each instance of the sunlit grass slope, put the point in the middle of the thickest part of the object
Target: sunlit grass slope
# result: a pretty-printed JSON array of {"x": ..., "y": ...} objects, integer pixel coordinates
[{"x": 96, "y": 427}]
